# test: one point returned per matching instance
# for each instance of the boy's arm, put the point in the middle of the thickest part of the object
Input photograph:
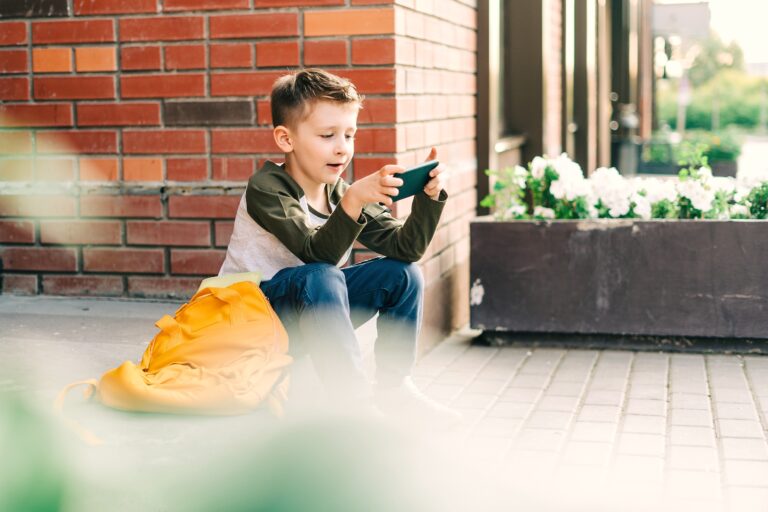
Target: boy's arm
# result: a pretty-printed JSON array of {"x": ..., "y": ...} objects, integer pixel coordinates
[
  {"x": 281, "y": 214},
  {"x": 407, "y": 240}
]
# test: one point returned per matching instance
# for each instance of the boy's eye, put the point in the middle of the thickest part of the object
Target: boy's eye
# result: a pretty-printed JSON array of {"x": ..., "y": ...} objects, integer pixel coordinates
[
  {"x": 350, "y": 137},
  {"x": 327, "y": 135}
]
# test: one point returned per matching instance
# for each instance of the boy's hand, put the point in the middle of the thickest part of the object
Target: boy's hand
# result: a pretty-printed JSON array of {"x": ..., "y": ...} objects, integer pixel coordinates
[
  {"x": 378, "y": 187},
  {"x": 438, "y": 178}
]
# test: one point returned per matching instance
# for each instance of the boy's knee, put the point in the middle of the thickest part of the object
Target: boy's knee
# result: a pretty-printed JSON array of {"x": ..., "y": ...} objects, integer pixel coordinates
[
  {"x": 322, "y": 278},
  {"x": 408, "y": 272}
]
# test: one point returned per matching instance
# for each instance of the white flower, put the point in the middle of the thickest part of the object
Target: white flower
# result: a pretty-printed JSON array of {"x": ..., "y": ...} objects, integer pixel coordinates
[
  {"x": 723, "y": 184},
  {"x": 570, "y": 183},
  {"x": 657, "y": 190},
  {"x": 538, "y": 165},
  {"x": 612, "y": 190},
  {"x": 705, "y": 173},
  {"x": 520, "y": 174},
  {"x": 547, "y": 213},
  {"x": 739, "y": 209},
  {"x": 700, "y": 195},
  {"x": 515, "y": 211},
  {"x": 642, "y": 206},
  {"x": 741, "y": 193}
]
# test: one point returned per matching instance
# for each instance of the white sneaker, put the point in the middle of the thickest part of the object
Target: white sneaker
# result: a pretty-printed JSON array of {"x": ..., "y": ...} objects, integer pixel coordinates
[{"x": 408, "y": 402}]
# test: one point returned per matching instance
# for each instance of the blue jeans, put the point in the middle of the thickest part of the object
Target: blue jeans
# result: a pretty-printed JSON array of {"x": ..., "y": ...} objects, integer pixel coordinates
[{"x": 320, "y": 306}]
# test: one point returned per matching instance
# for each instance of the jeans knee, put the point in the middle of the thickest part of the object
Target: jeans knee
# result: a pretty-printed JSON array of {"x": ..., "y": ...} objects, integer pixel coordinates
[
  {"x": 410, "y": 274},
  {"x": 322, "y": 279}
]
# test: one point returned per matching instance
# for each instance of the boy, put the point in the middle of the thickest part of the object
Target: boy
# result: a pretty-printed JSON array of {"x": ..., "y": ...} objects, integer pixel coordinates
[{"x": 296, "y": 225}]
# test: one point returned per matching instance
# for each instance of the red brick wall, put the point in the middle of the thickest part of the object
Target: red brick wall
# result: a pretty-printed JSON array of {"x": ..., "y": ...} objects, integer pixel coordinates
[{"x": 129, "y": 127}]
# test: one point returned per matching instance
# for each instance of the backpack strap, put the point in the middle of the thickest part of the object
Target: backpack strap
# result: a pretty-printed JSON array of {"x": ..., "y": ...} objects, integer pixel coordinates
[{"x": 88, "y": 393}]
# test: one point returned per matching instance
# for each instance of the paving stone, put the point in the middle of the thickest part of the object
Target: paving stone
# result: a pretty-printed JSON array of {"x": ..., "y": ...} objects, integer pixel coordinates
[
  {"x": 604, "y": 397},
  {"x": 649, "y": 391},
  {"x": 537, "y": 380},
  {"x": 557, "y": 403},
  {"x": 549, "y": 419},
  {"x": 565, "y": 388},
  {"x": 646, "y": 407},
  {"x": 691, "y": 436},
  {"x": 586, "y": 453},
  {"x": 601, "y": 413},
  {"x": 746, "y": 473},
  {"x": 540, "y": 439},
  {"x": 514, "y": 394},
  {"x": 474, "y": 400},
  {"x": 639, "y": 468},
  {"x": 608, "y": 384},
  {"x": 689, "y": 401},
  {"x": 747, "y": 499},
  {"x": 510, "y": 410},
  {"x": 744, "y": 449},
  {"x": 740, "y": 428},
  {"x": 690, "y": 417},
  {"x": 443, "y": 392},
  {"x": 593, "y": 431},
  {"x": 696, "y": 458},
  {"x": 736, "y": 411},
  {"x": 497, "y": 427},
  {"x": 642, "y": 444},
  {"x": 693, "y": 484},
  {"x": 729, "y": 395},
  {"x": 644, "y": 424}
]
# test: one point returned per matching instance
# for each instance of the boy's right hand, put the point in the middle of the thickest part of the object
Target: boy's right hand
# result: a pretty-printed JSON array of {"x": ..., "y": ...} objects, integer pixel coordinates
[{"x": 378, "y": 187}]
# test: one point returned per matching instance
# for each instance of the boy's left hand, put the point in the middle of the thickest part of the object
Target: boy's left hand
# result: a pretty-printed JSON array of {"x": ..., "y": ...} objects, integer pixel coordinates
[{"x": 438, "y": 178}]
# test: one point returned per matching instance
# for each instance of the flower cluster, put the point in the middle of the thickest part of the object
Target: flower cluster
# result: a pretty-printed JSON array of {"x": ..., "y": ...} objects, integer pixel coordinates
[{"x": 556, "y": 188}]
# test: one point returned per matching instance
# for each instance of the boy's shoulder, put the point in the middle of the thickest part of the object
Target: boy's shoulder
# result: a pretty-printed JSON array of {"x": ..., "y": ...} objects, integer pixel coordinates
[{"x": 272, "y": 178}]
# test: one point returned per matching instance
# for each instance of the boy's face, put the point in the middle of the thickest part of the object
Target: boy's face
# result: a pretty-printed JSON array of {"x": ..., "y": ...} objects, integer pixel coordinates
[{"x": 323, "y": 142}]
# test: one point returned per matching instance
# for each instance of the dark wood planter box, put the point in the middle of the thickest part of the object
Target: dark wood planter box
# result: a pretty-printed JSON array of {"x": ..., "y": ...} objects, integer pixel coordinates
[{"x": 657, "y": 278}]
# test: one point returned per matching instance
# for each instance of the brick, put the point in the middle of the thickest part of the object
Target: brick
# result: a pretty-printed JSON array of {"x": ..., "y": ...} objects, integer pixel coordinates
[
  {"x": 254, "y": 140},
  {"x": 16, "y": 169},
  {"x": 186, "y": 56},
  {"x": 349, "y": 22},
  {"x": 98, "y": 169},
  {"x": 118, "y": 114},
  {"x": 140, "y": 58},
  {"x": 13, "y": 61},
  {"x": 15, "y": 142},
  {"x": 365, "y": 166},
  {"x": 143, "y": 206},
  {"x": 74, "y": 87},
  {"x": 376, "y": 140},
  {"x": 186, "y": 169},
  {"x": 14, "y": 88},
  {"x": 163, "y": 287},
  {"x": 19, "y": 284},
  {"x": 295, "y": 3},
  {"x": 54, "y": 169},
  {"x": 164, "y": 141},
  {"x": 17, "y": 232},
  {"x": 33, "y": 8},
  {"x": 378, "y": 111},
  {"x": 36, "y": 206},
  {"x": 83, "y": 285},
  {"x": 373, "y": 51},
  {"x": 203, "y": 207},
  {"x": 38, "y": 258},
  {"x": 200, "y": 5},
  {"x": 92, "y": 7},
  {"x": 77, "y": 142},
  {"x": 142, "y": 169},
  {"x": 324, "y": 53},
  {"x": 371, "y": 81},
  {"x": 223, "y": 232},
  {"x": 80, "y": 232},
  {"x": 263, "y": 112},
  {"x": 235, "y": 26},
  {"x": 13, "y": 33},
  {"x": 277, "y": 54},
  {"x": 237, "y": 55},
  {"x": 162, "y": 86},
  {"x": 233, "y": 169},
  {"x": 149, "y": 261},
  {"x": 166, "y": 28},
  {"x": 36, "y": 115},
  {"x": 175, "y": 233},
  {"x": 79, "y": 31},
  {"x": 51, "y": 60},
  {"x": 196, "y": 262},
  {"x": 372, "y": 2},
  {"x": 208, "y": 113},
  {"x": 256, "y": 83},
  {"x": 95, "y": 59}
]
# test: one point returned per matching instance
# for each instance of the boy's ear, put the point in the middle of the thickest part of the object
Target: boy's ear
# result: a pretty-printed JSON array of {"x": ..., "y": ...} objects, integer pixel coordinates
[{"x": 283, "y": 138}]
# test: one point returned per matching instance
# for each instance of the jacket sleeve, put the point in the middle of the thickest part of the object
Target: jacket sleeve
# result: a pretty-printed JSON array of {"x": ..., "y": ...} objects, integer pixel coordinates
[
  {"x": 279, "y": 212},
  {"x": 407, "y": 240}
]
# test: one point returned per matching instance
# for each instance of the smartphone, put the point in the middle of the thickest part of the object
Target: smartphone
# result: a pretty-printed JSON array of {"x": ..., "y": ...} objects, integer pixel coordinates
[{"x": 414, "y": 179}]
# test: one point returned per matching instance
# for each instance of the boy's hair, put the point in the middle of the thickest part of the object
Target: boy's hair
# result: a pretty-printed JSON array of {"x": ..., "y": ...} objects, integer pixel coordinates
[{"x": 292, "y": 94}]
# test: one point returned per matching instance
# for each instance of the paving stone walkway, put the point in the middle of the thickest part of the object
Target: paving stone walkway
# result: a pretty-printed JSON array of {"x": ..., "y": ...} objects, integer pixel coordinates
[{"x": 544, "y": 428}]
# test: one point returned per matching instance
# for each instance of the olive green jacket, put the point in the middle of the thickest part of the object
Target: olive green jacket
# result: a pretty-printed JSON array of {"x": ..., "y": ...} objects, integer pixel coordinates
[{"x": 273, "y": 201}]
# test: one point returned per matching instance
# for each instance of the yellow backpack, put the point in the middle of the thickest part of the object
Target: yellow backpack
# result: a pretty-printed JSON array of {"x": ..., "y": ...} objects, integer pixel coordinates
[{"x": 224, "y": 352}]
